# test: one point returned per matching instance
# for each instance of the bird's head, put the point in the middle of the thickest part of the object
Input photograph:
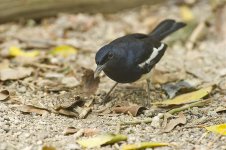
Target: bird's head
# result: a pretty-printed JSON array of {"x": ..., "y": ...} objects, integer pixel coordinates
[{"x": 104, "y": 58}]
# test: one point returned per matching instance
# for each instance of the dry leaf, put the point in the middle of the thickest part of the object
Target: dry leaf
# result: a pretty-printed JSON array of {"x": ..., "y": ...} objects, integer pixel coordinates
[
  {"x": 220, "y": 129},
  {"x": 86, "y": 132},
  {"x": 186, "y": 13},
  {"x": 134, "y": 110},
  {"x": 186, "y": 98},
  {"x": 89, "y": 84},
  {"x": 174, "y": 122},
  {"x": 70, "y": 130},
  {"x": 4, "y": 95},
  {"x": 100, "y": 140},
  {"x": 90, "y": 132},
  {"x": 221, "y": 109},
  {"x": 67, "y": 112},
  {"x": 45, "y": 147},
  {"x": 165, "y": 119},
  {"x": 15, "y": 51},
  {"x": 14, "y": 74},
  {"x": 173, "y": 89},
  {"x": 32, "y": 109},
  {"x": 63, "y": 50},
  {"x": 144, "y": 145}
]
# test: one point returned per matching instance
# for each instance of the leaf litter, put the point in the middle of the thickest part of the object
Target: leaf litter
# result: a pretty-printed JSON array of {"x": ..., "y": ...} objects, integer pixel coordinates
[{"x": 64, "y": 94}]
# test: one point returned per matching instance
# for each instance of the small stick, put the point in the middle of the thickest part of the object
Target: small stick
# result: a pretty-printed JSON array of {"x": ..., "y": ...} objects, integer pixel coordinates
[
  {"x": 148, "y": 120},
  {"x": 109, "y": 92},
  {"x": 195, "y": 104}
]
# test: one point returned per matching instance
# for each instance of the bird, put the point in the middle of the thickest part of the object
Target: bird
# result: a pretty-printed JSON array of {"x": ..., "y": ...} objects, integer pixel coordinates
[{"x": 131, "y": 58}]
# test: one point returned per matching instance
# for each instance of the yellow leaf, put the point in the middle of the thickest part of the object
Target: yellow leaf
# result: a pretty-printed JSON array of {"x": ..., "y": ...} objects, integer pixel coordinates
[
  {"x": 220, "y": 129},
  {"x": 45, "y": 147},
  {"x": 101, "y": 140},
  {"x": 63, "y": 50},
  {"x": 15, "y": 51},
  {"x": 143, "y": 145},
  {"x": 186, "y": 13},
  {"x": 187, "y": 98}
]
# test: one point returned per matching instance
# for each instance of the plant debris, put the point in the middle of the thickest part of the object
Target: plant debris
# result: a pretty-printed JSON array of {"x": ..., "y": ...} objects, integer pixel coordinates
[
  {"x": 4, "y": 95},
  {"x": 100, "y": 140},
  {"x": 134, "y": 110}
]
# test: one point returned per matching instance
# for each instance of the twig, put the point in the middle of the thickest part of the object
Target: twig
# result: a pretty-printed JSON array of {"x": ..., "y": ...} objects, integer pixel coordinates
[
  {"x": 118, "y": 128},
  {"x": 173, "y": 111},
  {"x": 195, "y": 104},
  {"x": 148, "y": 120}
]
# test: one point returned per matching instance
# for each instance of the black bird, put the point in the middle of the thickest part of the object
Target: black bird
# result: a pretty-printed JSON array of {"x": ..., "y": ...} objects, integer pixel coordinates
[{"x": 130, "y": 58}]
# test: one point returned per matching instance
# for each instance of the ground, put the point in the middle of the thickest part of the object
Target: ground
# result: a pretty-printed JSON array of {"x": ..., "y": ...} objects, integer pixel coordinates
[{"x": 195, "y": 56}]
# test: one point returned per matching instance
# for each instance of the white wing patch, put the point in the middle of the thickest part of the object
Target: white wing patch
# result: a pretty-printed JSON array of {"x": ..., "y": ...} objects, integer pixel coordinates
[{"x": 153, "y": 55}]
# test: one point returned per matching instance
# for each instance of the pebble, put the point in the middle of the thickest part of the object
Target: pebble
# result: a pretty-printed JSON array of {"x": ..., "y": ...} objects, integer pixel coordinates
[{"x": 22, "y": 89}]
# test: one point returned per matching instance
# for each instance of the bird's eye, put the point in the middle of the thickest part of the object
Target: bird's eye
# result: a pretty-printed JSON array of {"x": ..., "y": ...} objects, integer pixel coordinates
[{"x": 110, "y": 55}]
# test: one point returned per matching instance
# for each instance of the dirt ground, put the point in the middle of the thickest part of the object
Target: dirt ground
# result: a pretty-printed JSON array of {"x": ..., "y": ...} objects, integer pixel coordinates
[{"x": 52, "y": 84}]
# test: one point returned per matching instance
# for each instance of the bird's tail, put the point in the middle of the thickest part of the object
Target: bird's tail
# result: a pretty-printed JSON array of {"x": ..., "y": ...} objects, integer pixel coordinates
[{"x": 165, "y": 28}]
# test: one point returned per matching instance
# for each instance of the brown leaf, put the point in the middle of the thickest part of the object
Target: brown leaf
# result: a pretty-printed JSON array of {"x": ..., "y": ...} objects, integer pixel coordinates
[
  {"x": 89, "y": 84},
  {"x": 32, "y": 109},
  {"x": 4, "y": 95},
  {"x": 67, "y": 112},
  {"x": 90, "y": 131},
  {"x": 14, "y": 74},
  {"x": 174, "y": 122},
  {"x": 134, "y": 110},
  {"x": 70, "y": 130}
]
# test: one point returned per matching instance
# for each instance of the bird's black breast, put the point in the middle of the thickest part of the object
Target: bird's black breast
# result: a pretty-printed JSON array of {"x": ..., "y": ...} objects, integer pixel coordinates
[{"x": 123, "y": 74}]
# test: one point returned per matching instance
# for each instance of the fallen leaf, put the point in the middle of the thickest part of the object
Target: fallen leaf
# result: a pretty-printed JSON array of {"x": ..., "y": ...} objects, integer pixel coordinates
[
  {"x": 134, "y": 110},
  {"x": 165, "y": 119},
  {"x": 221, "y": 109},
  {"x": 15, "y": 51},
  {"x": 143, "y": 145},
  {"x": 32, "y": 109},
  {"x": 4, "y": 94},
  {"x": 220, "y": 129},
  {"x": 173, "y": 89},
  {"x": 186, "y": 13},
  {"x": 100, "y": 140},
  {"x": 15, "y": 73},
  {"x": 186, "y": 98},
  {"x": 45, "y": 147},
  {"x": 68, "y": 113},
  {"x": 174, "y": 122},
  {"x": 63, "y": 50},
  {"x": 70, "y": 130},
  {"x": 90, "y": 132},
  {"x": 89, "y": 84},
  {"x": 86, "y": 132}
]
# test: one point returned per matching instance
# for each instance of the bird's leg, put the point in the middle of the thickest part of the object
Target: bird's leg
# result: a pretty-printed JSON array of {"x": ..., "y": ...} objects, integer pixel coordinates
[
  {"x": 109, "y": 92},
  {"x": 147, "y": 102}
]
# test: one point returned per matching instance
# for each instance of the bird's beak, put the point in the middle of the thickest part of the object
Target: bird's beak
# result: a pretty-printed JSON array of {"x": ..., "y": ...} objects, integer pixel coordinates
[{"x": 98, "y": 70}]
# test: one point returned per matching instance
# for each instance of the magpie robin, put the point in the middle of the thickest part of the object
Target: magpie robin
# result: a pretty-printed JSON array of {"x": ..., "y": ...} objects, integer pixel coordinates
[{"x": 130, "y": 58}]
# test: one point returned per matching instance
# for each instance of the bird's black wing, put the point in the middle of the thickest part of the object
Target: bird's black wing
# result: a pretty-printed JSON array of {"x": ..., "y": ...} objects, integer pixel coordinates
[
  {"x": 147, "y": 51},
  {"x": 141, "y": 50}
]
